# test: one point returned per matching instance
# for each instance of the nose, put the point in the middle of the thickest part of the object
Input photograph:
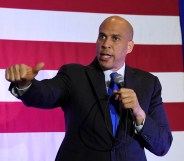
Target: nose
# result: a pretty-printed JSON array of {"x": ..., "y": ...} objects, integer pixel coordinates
[{"x": 106, "y": 43}]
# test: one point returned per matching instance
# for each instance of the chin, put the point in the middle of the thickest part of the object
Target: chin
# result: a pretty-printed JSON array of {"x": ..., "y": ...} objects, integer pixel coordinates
[{"x": 104, "y": 67}]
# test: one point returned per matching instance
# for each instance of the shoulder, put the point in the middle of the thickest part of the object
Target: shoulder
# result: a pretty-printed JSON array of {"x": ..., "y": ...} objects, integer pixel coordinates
[
  {"x": 142, "y": 76},
  {"x": 139, "y": 72},
  {"x": 144, "y": 79},
  {"x": 72, "y": 70},
  {"x": 72, "y": 67}
]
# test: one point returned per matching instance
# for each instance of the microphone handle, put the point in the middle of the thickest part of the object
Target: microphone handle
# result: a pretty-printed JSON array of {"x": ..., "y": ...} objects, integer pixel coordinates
[{"x": 121, "y": 85}]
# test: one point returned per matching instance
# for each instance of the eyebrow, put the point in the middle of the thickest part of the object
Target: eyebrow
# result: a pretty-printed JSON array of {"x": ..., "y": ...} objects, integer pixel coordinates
[
  {"x": 102, "y": 33},
  {"x": 116, "y": 35}
]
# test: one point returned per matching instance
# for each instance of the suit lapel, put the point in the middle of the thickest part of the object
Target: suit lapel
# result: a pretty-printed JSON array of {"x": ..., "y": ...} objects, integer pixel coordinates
[
  {"x": 97, "y": 80},
  {"x": 130, "y": 78}
]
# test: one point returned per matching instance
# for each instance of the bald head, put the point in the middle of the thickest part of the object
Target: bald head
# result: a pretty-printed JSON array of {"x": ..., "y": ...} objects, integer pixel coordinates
[
  {"x": 119, "y": 21},
  {"x": 114, "y": 42}
]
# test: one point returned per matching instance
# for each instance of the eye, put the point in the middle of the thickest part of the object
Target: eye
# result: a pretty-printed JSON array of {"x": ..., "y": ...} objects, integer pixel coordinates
[
  {"x": 115, "y": 38},
  {"x": 101, "y": 37}
]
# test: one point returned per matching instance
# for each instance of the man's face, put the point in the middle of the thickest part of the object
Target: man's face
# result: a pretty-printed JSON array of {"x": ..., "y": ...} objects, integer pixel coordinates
[{"x": 113, "y": 44}]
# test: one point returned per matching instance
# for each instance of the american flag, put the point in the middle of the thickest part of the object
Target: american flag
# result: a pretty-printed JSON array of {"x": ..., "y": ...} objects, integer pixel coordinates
[{"x": 65, "y": 31}]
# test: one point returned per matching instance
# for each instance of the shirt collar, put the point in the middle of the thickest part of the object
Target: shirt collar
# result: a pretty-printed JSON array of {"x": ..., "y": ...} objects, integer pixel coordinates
[{"x": 108, "y": 72}]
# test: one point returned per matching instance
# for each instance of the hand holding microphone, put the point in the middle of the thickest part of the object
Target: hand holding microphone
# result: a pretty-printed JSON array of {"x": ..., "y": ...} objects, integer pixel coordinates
[{"x": 129, "y": 99}]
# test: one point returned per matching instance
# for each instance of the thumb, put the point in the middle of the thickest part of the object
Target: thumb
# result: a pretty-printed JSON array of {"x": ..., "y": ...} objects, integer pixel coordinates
[{"x": 38, "y": 67}]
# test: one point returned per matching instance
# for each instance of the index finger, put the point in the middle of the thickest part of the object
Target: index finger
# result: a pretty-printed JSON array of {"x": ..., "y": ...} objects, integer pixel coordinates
[{"x": 7, "y": 75}]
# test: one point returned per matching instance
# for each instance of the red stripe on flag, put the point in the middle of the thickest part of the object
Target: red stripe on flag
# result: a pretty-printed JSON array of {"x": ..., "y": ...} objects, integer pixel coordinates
[
  {"x": 143, "y": 7},
  {"x": 157, "y": 58},
  {"x": 175, "y": 114},
  {"x": 15, "y": 117},
  {"x": 152, "y": 58}
]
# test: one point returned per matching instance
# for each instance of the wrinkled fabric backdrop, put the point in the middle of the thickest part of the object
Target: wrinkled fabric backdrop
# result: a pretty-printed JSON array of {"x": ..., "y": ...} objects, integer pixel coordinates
[{"x": 65, "y": 31}]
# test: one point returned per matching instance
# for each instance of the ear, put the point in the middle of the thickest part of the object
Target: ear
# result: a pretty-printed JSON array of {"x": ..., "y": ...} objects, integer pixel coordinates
[{"x": 130, "y": 46}]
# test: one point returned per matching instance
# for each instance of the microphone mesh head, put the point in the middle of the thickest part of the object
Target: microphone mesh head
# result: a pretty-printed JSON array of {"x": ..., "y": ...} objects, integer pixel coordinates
[{"x": 118, "y": 78}]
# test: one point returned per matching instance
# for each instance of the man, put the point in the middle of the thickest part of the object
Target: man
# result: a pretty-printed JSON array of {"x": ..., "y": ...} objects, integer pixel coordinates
[{"x": 81, "y": 91}]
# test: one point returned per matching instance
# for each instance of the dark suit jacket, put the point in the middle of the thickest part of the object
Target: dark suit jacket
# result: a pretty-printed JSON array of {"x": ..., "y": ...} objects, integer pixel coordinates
[{"x": 81, "y": 92}]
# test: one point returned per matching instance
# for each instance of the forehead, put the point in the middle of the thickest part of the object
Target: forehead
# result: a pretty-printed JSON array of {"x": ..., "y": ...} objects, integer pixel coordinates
[{"x": 113, "y": 28}]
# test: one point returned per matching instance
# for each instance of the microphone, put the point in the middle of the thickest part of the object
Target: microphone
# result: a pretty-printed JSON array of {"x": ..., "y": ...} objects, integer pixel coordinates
[{"x": 119, "y": 80}]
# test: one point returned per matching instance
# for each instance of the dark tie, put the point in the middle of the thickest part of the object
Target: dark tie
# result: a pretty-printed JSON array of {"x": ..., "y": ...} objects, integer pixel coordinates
[{"x": 113, "y": 104}]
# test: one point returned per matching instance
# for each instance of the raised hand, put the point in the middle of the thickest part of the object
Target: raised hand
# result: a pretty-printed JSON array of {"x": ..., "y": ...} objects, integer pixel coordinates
[{"x": 22, "y": 74}]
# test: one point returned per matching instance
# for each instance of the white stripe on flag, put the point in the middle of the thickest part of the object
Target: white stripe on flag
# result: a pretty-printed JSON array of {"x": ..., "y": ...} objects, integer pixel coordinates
[
  {"x": 64, "y": 26},
  {"x": 30, "y": 146}
]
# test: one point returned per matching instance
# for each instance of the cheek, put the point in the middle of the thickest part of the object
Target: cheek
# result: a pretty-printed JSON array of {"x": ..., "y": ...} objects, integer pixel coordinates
[
  {"x": 98, "y": 46},
  {"x": 120, "y": 55},
  {"x": 119, "y": 52},
  {"x": 123, "y": 50}
]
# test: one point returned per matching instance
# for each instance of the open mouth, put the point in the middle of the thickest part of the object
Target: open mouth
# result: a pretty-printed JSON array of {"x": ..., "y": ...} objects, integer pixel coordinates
[{"x": 105, "y": 56}]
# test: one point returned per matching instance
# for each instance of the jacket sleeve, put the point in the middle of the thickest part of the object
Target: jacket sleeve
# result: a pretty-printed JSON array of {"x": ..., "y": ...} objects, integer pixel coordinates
[
  {"x": 156, "y": 132},
  {"x": 48, "y": 93}
]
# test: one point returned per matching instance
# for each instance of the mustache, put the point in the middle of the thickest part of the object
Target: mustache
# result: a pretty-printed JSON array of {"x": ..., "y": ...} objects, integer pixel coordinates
[{"x": 105, "y": 52}]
